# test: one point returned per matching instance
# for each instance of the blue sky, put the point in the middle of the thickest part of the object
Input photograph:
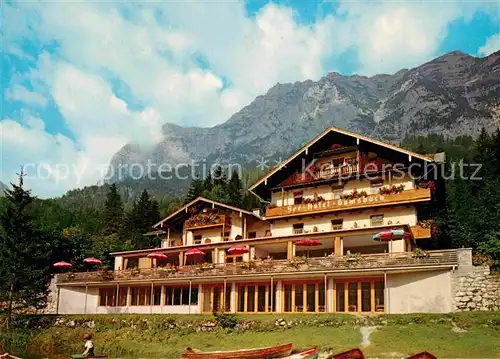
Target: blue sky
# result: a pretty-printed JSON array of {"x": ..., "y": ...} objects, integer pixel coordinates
[{"x": 80, "y": 80}]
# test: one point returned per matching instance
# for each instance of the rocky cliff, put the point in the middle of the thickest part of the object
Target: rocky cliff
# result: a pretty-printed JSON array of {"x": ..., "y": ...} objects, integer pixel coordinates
[{"x": 454, "y": 94}]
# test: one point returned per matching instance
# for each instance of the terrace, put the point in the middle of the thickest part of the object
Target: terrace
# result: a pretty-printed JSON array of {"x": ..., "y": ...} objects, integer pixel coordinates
[{"x": 329, "y": 264}]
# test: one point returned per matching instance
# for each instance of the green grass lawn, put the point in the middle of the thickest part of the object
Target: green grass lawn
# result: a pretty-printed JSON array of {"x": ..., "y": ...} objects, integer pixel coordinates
[
  {"x": 477, "y": 342},
  {"x": 394, "y": 337}
]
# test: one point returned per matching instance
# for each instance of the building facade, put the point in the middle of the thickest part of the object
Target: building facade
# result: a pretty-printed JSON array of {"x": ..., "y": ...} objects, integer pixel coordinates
[{"x": 312, "y": 250}]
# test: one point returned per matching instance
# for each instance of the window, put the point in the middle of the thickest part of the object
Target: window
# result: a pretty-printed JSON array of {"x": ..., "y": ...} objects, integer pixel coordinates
[
  {"x": 132, "y": 263},
  {"x": 377, "y": 220},
  {"x": 140, "y": 295},
  {"x": 107, "y": 297},
  {"x": 298, "y": 228},
  {"x": 226, "y": 236},
  {"x": 359, "y": 295},
  {"x": 297, "y": 197},
  {"x": 185, "y": 296},
  {"x": 337, "y": 224},
  {"x": 340, "y": 297},
  {"x": 304, "y": 297},
  {"x": 122, "y": 296},
  {"x": 177, "y": 296},
  {"x": 197, "y": 239},
  {"x": 194, "y": 295},
  {"x": 180, "y": 295},
  {"x": 156, "y": 295},
  {"x": 252, "y": 234}
]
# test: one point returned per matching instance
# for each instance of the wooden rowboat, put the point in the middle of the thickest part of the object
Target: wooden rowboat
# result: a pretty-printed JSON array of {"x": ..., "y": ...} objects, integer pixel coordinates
[
  {"x": 311, "y": 353},
  {"x": 278, "y": 351},
  {"x": 423, "y": 355},
  {"x": 350, "y": 354},
  {"x": 96, "y": 356}
]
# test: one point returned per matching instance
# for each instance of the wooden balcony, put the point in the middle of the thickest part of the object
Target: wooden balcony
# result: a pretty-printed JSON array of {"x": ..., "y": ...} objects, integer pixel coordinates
[
  {"x": 211, "y": 220},
  {"x": 383, "y": 261},
  {"x": 408, "y": 196}
]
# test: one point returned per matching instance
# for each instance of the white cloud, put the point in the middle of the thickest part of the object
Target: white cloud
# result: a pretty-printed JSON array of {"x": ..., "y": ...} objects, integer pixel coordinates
[
  {"x": 22, "y": 94},
  {"x": 188, "y": 63},
  {"x": 394, "y": 35},
  {"x": 492, "y": 45}
]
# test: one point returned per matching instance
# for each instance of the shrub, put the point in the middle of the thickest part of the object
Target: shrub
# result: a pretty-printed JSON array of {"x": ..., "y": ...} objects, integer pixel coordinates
[
  {"x": 480, "y": 259},
  {"x": 226, "y": 321}
]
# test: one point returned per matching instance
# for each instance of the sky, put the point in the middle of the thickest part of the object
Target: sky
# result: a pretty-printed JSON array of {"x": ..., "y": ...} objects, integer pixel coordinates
[{"x": 82, "y": 79}]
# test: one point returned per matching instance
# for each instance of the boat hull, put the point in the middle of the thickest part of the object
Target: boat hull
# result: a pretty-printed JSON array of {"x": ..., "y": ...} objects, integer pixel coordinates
[
  {"x": 423, "y": 355},
  {"x": 311, "y": 353},
  {"x": 278, "y": 351},
  {"x": 350, "y": 354}
]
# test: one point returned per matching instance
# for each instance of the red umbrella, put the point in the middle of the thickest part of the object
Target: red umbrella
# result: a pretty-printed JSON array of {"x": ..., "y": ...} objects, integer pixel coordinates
[
  {"x": 62, "y": 264},
  {"x": 308, "y": 243},
  {"x": 238, "y": 250},
  {"x": 157, "y": 255},
  {"x": 389, "y": 235},
  {"x": 193, "y": 252},
  {"x": 93, "y": 261}
]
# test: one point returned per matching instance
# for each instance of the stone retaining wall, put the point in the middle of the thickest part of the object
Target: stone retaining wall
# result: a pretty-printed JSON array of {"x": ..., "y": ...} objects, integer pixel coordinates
[{"x": 474, "y": 288}]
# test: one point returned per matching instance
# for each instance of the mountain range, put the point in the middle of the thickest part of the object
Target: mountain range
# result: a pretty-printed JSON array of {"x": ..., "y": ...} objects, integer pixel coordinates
[{"x": 455, "y": 94}]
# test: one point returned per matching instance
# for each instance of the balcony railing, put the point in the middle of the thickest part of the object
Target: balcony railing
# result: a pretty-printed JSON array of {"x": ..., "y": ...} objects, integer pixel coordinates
[
  {"x": 336, "y": 171},
  {"x": 320, "y": 175},
  {"x": 380, "y": 261},
  {"x": 411, "y": 195}
]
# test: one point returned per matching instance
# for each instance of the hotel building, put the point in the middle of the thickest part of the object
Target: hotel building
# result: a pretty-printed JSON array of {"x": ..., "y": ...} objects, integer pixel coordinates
[{"x": 311, "y": 251}]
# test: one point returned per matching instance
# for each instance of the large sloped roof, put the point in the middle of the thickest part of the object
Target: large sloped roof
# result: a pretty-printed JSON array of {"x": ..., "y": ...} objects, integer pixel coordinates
[
  {"x": 329, "y": 130},
  {"x": 206, "y": 200}
]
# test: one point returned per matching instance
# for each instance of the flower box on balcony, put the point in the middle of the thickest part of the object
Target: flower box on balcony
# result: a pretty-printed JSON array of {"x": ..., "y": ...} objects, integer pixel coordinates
[{"x": 204, "y": 220}]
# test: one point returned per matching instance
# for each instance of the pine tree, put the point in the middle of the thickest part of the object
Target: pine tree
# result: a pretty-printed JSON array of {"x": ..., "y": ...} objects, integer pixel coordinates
[
  {"x": 113, "y": 212},
  {"x": 26, "y": 255},
  {"x": 495, "y": 154},
  {"x": 482, "y": 151},
  {"x": 154, "y": 212},
  {"x": 195, "y": 190},
  {"x": 235, "y": 189},
  {"x": 208, "y": 184},
  {"x": 219, "y": 176}
]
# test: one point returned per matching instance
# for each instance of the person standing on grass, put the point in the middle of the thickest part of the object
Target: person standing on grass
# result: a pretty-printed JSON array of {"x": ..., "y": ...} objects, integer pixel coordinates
[{"x": 89, "y": 347}]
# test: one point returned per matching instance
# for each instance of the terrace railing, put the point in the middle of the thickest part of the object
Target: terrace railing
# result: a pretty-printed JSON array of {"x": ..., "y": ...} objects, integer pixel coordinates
[{"x": 380, "y": 261}]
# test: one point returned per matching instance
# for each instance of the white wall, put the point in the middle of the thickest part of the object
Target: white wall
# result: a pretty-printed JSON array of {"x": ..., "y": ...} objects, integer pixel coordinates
[
  {"x": 119, "y": 263},
  {"x": 72, "y": 300},
  {"x": 361, "y": 219},
  {"x": 419, "y": 292}
]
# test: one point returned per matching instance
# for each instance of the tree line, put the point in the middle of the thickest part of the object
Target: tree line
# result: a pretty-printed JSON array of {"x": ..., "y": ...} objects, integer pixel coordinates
[
  {"x": 36, "y": 233},
  {"x": 468, "y": 205}
]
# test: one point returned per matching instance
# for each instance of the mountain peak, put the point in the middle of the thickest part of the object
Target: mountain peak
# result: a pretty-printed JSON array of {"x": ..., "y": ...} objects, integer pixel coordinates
[{"x": 449, "y": 95}]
